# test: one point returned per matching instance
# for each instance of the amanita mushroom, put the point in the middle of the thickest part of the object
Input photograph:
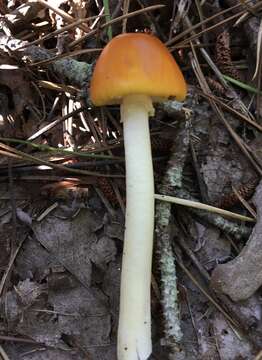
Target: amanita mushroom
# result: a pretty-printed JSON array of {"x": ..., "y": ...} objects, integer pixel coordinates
[{"x": 135, "y": 70}]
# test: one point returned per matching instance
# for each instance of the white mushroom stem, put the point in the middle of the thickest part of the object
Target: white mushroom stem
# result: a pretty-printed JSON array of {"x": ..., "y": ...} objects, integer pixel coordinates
[{"x": 134, "y": 331}]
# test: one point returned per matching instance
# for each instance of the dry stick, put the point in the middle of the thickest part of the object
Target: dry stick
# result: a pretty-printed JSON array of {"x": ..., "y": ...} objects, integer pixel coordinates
[
  {"x": 113, "y": 21},
  {"x": 3, "y": 354},
  {"x": 201, "y": 206},
  {"x": 258, "y": 356},
  {"x": 218, "y": 221}
]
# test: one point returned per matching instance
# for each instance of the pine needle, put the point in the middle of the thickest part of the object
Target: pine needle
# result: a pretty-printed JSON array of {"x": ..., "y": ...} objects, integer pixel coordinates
[{"x": 198, "y": 205}]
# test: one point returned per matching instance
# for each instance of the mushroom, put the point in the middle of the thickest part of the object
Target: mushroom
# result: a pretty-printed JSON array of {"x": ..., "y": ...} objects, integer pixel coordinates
[{"x": 135, "y": 70}]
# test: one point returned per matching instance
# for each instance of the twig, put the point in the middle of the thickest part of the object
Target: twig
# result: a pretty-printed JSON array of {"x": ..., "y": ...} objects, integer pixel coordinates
[
  {"x": 166, "y": 260},
  {"x": 172, "y": 178},
  {"x": 76, "y": 72},
  {"x": 201, "y": 206},
  {"x": 3, "y": 354},
  {"x": 229, "y": 227}
]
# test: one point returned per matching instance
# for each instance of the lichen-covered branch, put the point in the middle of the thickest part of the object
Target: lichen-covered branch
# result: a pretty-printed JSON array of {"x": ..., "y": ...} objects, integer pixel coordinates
[
  {"x": 232, "y": 228},
  {"x": 166, "y": 259},
  {"x": 76, "y": 72},
  {"x": 168, "y": 273}
]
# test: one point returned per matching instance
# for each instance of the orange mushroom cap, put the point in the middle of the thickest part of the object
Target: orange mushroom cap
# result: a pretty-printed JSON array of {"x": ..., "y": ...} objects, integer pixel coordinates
[{"x": 136, "y": 64}]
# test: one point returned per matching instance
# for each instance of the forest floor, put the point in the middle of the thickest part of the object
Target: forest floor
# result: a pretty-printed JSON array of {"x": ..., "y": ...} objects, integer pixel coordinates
[{"x": 62, "y": 174}]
